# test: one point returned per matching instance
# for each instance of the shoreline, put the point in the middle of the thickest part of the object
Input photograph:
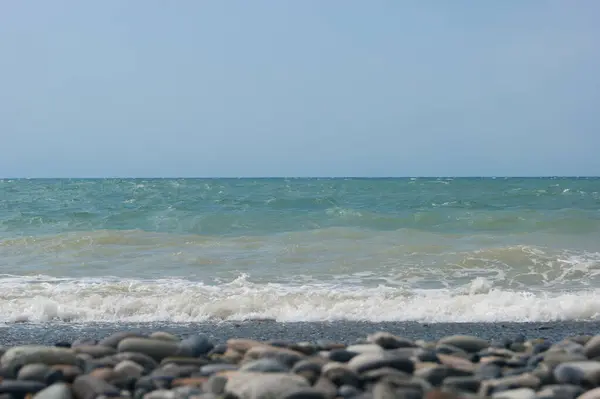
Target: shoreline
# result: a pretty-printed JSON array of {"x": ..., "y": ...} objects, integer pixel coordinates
[{"x": 49, "y": 333}]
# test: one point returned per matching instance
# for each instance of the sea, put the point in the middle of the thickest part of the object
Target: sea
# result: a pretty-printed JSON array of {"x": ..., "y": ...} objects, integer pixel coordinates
[{"x": 427, "y": 250}]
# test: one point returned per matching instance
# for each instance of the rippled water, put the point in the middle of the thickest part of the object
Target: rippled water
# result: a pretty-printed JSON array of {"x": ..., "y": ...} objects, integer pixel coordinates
[{"x": 300, "y": 249}]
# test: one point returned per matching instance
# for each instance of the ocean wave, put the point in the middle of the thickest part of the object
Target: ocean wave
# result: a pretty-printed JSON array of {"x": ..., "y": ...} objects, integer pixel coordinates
[
  {"x": 407, "y": 258},
  {"x": 42, "y": 298}
]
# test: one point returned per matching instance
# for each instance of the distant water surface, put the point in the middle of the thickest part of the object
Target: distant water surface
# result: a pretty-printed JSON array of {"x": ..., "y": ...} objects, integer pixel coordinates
[{"x": 193, "y": 250}]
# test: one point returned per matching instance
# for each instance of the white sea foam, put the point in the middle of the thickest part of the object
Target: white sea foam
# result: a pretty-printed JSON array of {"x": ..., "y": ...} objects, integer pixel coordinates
[{"x": 42, "y": 298}]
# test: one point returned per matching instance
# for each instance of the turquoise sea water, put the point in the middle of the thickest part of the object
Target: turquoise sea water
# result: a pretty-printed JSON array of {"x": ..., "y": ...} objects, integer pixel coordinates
[{"x": 431, "y": 249}]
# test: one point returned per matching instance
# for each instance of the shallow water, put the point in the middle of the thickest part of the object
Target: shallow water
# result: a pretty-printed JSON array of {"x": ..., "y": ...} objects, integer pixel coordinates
[{"x": 193, "y": 250}]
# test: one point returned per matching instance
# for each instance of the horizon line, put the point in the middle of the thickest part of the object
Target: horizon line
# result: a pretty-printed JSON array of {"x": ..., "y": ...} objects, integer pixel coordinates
[{"x": 307, "y": 177}]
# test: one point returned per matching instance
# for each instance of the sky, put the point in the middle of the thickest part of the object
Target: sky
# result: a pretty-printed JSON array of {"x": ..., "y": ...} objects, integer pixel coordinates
[{"x": 148, "y": 88}]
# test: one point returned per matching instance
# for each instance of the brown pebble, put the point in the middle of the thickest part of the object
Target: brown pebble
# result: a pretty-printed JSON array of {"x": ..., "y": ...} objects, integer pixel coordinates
[
  {"x": 190, "y": 381},
  {"x": 591, "y": 394},
  {"x": 243, "y": 345},
  {"x": 103, "y": 373},
  {"x": 425, "y": 365},
  {"x": 456, "y": 362},
  {"x": 258, "y": 352}
]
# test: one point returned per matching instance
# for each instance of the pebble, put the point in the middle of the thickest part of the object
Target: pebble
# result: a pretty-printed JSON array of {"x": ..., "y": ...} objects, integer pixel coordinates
[
  {"x": 160, "y": 365},
  {"x": 466, "y": 342},
  {"x": 22, "y": 355}
]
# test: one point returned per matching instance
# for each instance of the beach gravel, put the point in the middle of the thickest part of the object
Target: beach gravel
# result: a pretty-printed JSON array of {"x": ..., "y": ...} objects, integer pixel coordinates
[{"x": 194, "y": 362}]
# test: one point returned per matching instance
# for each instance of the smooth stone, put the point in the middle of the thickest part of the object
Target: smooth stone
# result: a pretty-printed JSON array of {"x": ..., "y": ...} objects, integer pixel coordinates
[
  {"x": 113, "y": 340},
  {"x": 578, "y": 373},
  {"x": 340, "y": 374},
  {"x": 592, "y": 348},
  {"x": 164, "y": 336},
  {"x": 124, "y": 383},
  {"x": 129, "y": 368},
  {"x": 412, "y": 387},
  {"x": 306, "y": 393},
  {"x": 591, "y": 394},
  {"x": 18, "y": 388},
  {"x": 488, "y": 371},
  {"x": 348, "y": 391},
  {"x": 145, "y": 361},
  {"x": 501, "y": 343},
  {"x": 265, "y": 365},
  {"x": 369, "y": 361},
  {"x": 544, "y": 373},
  {"x": 467, "y": 343},
  {"x": 184, "y": 361},
  {"x": 465, "y": 383},
  {"x": 502, "y": 352},
  {"x": 326, "y": 387},
  {"x": 242, "y": 345},
  {"x": 564, "y": 391},
  {"x": 537, "y": 359},
  {"x": 581, "y": 339},
  {"x": 190, "y": 381},
  {"x": 390, "y": 341},
  {"x": 103, "y": 373},
  {"x": 518, "y": 347},
  {"x": 95, "y": 351},
  {"x": 153, "y": 348},
  {"x": 426, "y": 355},
  {"x": 33, "y": 372},
  {"x": 161, "y": 394},
  {"x": 305, "y": 348},
  {"x": 310, "y": 369},
  {"x": 447, "y": 349},
  {"x": 219, "y": 349},
  {"x": 65, "y": 372},
  {"x": 518, "y": 371},
  {"x": 215, "y": 384},
  {"x": 210, "y": 369},
  {"x": 541, "y": 347},
  {"x": 365, "y": 348},
  {"x": 231, "y": 356},
  {"x": 251, "y": 385},
  {"x": 341, "y": 355},
  {"x": 437, "y": 374},
  {"x": 566, "y": 345},
  {"x": 186, "y": 371},
  {"x": 197, "y": 345},
  {"x": 375, "y": 375},
  {"x": 88, "y": 387},
  {"x": 441, "y": 394},
  {"x": 501, "y": 384},
  {"x": 84, "y": 341},
  {"x": 280, "y": 343},
  {"x": 456, "y": 362},
  {"x": 22, "y": 355},
  {"x": 553, "y": 359},
  {"x": 58, "y": 390},
  {"x": 327, "y": 345},
  {"x": 518, "y": 361},
  {"x": 186, "y": 391},
  {"x": 285, "y": 356},
  {"x": 519, "y": 393}
]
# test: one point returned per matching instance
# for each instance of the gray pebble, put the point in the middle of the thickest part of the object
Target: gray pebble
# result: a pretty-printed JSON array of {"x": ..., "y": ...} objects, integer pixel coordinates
[
  {"x": 466, "y": 342},
  {"x": 265, "y": 365},
  {"x": 58, "y": 390}
]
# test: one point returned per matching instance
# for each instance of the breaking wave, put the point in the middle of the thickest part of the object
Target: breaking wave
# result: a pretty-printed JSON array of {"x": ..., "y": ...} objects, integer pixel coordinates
[{"x": 43, "y": 298}]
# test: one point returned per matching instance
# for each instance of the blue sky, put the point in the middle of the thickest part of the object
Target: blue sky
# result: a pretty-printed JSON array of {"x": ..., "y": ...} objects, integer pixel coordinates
[{"x": 299, "y": 88}]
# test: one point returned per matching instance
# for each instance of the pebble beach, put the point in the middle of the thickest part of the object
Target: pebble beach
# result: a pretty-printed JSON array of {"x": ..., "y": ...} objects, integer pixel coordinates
[{"x": 267, "y": 359}]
